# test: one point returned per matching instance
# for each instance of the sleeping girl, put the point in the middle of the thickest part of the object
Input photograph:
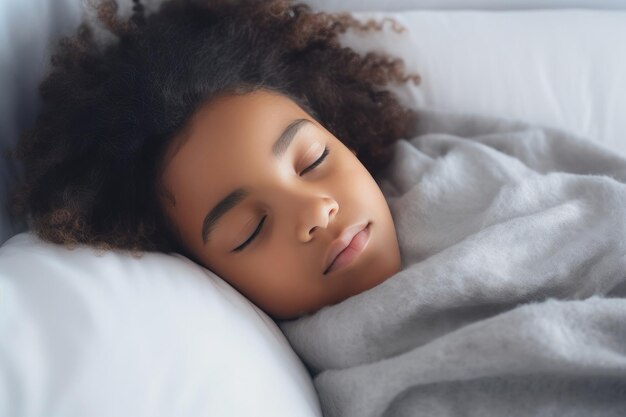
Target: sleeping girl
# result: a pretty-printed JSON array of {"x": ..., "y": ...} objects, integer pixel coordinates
[
  {"x": 238, "y": 133},
  {"x": 420, "y": 262}
]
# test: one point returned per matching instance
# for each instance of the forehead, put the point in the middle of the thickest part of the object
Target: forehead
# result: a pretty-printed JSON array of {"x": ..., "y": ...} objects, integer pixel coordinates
[
  {"x": 229, "y": 117},
  {"x": 227, "y": 136}
]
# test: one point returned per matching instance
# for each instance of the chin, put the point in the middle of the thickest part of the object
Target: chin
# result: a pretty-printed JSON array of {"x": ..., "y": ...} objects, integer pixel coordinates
[{"x": 393, "y": 268}]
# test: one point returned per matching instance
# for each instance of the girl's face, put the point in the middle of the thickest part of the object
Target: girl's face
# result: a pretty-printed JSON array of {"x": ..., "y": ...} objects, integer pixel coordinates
[{"x": 262, "y": 212}]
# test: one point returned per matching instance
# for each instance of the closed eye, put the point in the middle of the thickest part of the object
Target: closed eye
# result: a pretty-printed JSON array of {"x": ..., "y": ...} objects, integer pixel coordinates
[
  {"x": 316, "y": 163},
  {"x": 251, "y": 238},
  {"x": 258, "y": 229}
]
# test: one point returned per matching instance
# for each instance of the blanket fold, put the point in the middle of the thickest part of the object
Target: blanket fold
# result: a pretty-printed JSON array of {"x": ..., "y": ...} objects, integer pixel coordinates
[{"x": 511, "y": 300}]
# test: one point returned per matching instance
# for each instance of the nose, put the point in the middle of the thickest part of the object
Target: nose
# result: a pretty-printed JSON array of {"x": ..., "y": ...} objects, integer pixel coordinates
[{"x": 317, "y": 214}]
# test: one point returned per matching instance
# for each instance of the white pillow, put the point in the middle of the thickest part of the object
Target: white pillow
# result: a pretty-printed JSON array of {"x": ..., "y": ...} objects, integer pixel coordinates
[
  {"x": 112, "y": 335},
  {"x": 560, "y": 68}
]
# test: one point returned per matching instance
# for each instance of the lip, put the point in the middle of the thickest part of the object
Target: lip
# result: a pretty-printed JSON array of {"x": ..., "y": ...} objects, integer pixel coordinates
[{"x": 342, "y": 242}]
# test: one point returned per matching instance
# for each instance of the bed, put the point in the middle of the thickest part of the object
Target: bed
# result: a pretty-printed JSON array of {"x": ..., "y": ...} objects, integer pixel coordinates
[{"x": 103, "y": 334}]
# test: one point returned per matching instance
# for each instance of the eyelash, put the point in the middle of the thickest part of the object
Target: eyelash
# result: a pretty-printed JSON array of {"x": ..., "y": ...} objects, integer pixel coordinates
[{"x": 258, "y": 229}]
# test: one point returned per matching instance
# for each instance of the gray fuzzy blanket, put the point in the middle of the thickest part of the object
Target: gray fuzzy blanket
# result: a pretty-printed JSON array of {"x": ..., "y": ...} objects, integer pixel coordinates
[{"x": 511, "y": 300}]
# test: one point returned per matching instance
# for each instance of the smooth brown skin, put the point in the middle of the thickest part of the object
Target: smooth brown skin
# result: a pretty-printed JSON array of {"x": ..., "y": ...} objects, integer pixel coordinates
[{"x": 228, "y": 144}]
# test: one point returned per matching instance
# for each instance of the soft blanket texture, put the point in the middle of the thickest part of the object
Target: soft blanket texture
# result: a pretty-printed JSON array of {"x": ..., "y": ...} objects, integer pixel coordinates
[{"x": 511, "y": 300}]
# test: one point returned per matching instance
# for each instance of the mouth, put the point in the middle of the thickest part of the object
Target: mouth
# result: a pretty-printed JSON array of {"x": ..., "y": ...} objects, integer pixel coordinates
[{"x": 348, "y": 247}]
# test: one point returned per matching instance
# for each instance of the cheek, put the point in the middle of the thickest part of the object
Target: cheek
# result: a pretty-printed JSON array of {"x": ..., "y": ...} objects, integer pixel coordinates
[
  {"x": 361, "y": 186},
  {"x": 271, "y": 281},
  {"x": 267, "y": 268}
]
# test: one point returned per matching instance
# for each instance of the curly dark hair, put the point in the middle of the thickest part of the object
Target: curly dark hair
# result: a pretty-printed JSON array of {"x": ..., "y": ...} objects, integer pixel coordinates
[{"x": 93, "y": 158}]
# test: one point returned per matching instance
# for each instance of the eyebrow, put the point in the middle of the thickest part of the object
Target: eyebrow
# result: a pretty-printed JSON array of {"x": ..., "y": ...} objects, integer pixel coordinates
[{"x": 239, "y": 194}]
